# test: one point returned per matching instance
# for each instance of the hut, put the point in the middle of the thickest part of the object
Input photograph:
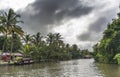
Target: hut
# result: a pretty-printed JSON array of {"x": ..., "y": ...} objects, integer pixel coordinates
[{"x": 7, "y": 56}]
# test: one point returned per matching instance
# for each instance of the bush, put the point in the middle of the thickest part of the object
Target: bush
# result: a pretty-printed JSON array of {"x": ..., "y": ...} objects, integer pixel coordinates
[{"x": 117, "y": 57}]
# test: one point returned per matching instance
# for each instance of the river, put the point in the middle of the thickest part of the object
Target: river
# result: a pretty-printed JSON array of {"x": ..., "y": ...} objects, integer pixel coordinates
[{"x": 72, "y": 68}]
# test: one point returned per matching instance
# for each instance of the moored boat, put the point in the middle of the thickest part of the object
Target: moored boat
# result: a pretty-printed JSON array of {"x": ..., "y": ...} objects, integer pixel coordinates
[{"x": 24, "y": 61}]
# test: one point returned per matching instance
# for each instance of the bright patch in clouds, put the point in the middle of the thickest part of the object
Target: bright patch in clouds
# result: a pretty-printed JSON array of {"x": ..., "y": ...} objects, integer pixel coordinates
[
  {"x": 15, "y": 4},
  {"x": 74, "y": 27}
]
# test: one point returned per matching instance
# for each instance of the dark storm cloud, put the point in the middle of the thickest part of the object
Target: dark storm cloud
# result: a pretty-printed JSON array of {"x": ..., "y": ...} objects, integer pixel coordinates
[
  {"x": 98, "y": 26},
  {"x": 42, "y": 14},
  {"x": 85, "y": 36},
  {"x": 51, "y": 10}
]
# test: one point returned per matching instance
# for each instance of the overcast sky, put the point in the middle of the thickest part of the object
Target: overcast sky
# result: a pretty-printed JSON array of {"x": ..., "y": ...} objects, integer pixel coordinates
[{"x": 80, "y": 22}]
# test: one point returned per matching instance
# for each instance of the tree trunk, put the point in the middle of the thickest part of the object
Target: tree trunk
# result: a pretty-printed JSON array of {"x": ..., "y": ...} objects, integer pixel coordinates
[
  {"x": 3, "y": 48},
  {"x": 11, "y": 46},
  {"x": 5, "y": 38}
]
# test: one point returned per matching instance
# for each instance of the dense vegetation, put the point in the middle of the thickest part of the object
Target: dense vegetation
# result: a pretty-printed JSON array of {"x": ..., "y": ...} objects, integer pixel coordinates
[
  {"x": 108, "y": 50},
  {"x": 48, "y": 48}
]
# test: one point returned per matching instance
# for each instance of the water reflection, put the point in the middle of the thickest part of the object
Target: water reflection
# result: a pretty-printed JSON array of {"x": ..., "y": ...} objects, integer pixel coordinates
[
  {"x": 73, "y": 68},
  {"x": 109, "y": 70}
]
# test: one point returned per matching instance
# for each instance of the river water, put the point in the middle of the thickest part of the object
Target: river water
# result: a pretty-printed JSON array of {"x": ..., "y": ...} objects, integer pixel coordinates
[{"x": 72, "y": 68}]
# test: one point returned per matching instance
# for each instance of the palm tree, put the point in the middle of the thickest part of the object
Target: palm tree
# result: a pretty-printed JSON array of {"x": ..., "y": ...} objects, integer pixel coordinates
[
  {"x": 9, "y": 23},
  {"x": 50, "y": 42},
  {"x": 50, "y": 38},
  {"x": 3, "y": 31},
  {"x": 27, "y": 38},
  {"x": 54, "y": 43},
  {"x": 26, "y": 49},
  {"x": 58, "y": 38},
  {"x": 37, "y": 39}
]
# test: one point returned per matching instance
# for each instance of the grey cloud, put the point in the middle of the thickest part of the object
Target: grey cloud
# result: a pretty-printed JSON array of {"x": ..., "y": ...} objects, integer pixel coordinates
[
  {"x": 89, "y": 36},
  {"x": 93, "y": 30},
  {"x": 84, "y": 36},
  {"x": 42, "y": 14},
  {"x": 96, "y": 28},
  {"x": 98, "y": 25}
]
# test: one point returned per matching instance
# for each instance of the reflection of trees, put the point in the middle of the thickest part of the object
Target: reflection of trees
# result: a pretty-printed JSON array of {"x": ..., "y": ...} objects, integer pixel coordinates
[{"x": 109, "y": 70}]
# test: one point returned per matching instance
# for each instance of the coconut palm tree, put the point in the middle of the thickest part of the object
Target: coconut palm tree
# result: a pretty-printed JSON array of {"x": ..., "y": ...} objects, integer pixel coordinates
[
  {"x": 27, "y": 38},
  {"x": 58, "y": 39},
  {"x": 54, "y": 43},
  {"x": 26, "y": 49},
  {"x": 9, "y": 21},
  {"x": 3, "y": 31},
  {"x": 37, "y": 39},
  {"x": 50, "y": 38}
]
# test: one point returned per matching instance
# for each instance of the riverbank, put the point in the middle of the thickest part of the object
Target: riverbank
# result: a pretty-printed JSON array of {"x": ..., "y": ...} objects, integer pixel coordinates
[
  {"x": 30, "y": 61},
  {"x": 21, "y": 61}
]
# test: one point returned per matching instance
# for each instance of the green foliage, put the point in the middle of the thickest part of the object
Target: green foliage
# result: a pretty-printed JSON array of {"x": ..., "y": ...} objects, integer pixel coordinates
[
  {"x": 16, "y": 46},
  {"x": 26, "y": 50},
  {"x": 9, "y": 26},
  {"x": 1, "y": 42},
  {"x": 51, "y": 49},
  {"x": 117, "y": 57},
  {"x": 109, "y": 45}
]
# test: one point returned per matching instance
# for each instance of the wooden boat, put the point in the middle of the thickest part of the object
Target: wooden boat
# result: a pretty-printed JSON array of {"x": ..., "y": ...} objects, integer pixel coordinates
[{"x": 24, "y": 61}]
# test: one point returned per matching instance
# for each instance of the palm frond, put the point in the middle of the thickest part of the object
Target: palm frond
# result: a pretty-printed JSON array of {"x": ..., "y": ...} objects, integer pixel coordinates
[{"x": 3, "y": 30}]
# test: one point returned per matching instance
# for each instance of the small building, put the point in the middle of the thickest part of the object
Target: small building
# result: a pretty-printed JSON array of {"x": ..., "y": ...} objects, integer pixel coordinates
[{"x": 6, "y": 56}]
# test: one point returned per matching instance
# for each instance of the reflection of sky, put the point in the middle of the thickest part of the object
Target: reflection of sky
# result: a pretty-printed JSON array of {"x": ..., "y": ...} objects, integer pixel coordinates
[{"x": 80, "y": 68}]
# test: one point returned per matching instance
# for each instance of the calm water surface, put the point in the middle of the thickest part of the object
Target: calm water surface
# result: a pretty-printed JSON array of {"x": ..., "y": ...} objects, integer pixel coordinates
[{"x": 73, "y": 68}]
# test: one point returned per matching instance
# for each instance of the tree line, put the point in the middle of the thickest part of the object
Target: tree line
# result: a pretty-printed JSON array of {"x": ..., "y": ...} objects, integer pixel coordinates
[{"x": 50, "y": 47}]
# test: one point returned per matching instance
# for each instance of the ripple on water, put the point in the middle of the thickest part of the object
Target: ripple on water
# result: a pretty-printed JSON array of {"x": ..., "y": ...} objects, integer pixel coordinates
[{"x": 73, "y": 68}]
